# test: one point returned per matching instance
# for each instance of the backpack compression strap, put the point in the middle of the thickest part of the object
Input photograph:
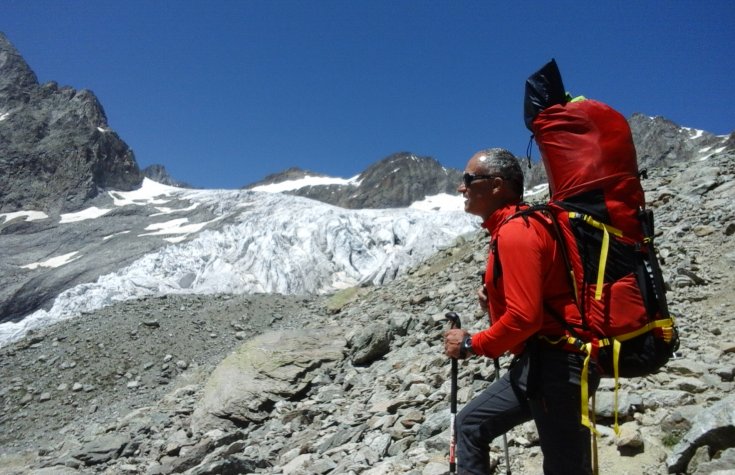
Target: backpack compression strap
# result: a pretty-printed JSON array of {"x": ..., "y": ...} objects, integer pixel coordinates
[{"x": 606, "y": 231}]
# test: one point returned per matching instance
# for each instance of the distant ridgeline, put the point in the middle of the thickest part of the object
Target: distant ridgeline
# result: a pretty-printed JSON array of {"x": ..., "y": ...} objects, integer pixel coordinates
[
  {"x": 396, "y": 181},
  {"x": 57, "y": 151}
]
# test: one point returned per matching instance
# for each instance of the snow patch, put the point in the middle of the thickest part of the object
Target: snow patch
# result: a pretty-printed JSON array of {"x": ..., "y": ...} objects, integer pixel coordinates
[
  {"x": 291, "y": 185},
  {"x": 113, "y": 235},
  {"x": 708, "y": 155},
  {"x": 536, "y": 190},
  {"x": 149, "y": 193},
  {"x": 89, "y": 213},
  {"x": 27, "y": 215},
  {"x": 440, "y": 202},
  {"x": 163, "y": 210},
  {"x": 4, "y": 116},
  {"x": 176, "y": 226},
  {"x": 694, "y": 133},
  {"x": 57, "y": 261}
]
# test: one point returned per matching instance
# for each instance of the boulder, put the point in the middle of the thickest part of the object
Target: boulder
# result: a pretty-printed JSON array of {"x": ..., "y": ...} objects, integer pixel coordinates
[
  {"x": 272, "y": 367},
  {"x": 370, "y": 343},
  {"x": 713, "y": 427}
]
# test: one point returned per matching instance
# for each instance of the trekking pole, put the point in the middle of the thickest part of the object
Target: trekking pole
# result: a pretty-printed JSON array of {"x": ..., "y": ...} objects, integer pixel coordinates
[
  {"x": 454, "y": 323},
  {"x": 496, "y": 361}
]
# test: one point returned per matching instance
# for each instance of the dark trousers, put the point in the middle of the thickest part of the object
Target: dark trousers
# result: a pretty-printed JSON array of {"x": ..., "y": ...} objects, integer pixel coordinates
[{"x": 542, "y": 385}]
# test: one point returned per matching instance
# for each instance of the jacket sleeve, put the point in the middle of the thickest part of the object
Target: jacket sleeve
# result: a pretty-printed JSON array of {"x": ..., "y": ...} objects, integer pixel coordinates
[{"x": 523, "y": 261}]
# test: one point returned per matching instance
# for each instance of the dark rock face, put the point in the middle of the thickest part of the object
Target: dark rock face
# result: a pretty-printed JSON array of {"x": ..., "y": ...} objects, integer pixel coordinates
[
  {"x": 402, "y": 179},
  {"x": 158, "y": 173},
  {"x": 56, "y": 148},
  {"x": 661, "y": 142},
  {"x": 394, "y": 182}
]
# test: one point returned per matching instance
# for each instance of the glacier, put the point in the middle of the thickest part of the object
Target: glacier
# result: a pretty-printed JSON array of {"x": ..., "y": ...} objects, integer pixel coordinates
[{"x": 258, "y": 243}]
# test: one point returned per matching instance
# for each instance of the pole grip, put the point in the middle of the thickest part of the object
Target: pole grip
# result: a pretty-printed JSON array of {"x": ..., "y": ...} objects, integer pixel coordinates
[{"x": 453, "y": 319}]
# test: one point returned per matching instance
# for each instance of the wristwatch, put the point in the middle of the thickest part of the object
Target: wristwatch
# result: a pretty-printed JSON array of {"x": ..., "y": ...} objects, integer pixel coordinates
[{"x": 466, "y": 348}]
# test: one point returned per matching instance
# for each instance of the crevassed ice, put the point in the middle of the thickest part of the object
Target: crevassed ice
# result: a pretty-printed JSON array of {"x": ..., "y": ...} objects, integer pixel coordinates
[{"x": 274, "y": 243}]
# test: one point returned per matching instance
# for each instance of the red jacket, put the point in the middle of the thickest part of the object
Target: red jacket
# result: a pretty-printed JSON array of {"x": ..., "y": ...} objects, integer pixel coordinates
[{"x": 533, "y": 278}]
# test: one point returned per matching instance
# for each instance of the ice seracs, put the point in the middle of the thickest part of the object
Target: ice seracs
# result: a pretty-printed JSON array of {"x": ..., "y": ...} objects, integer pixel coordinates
[{"x": 242, "y": 241}]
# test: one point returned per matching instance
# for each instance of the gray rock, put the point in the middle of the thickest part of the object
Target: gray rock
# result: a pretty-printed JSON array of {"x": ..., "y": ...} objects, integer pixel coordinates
[
  {"x": 370, "y": 343},
  {"x": 628, "y": 403},
  {"x": 722, "y": 464},
  {"x": 714, "y": 427},
  {"x": 55, "y": 470},
  {"x": 102, "y": 449},
  {"x": 270, "y": 368}
]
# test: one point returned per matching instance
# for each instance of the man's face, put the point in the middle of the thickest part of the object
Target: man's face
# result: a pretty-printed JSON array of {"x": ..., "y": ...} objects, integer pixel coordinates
[{"x": 479, "y": 194}]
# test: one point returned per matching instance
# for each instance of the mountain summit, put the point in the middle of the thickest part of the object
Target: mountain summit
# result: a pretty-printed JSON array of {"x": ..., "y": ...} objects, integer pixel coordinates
[
  {"x": 397, "y": 181},
  {"x": 56, "y": 147}
]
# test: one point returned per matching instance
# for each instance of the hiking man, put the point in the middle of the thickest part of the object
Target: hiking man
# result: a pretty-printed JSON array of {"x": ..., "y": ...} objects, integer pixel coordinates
[{"x": 525, "y": 284}]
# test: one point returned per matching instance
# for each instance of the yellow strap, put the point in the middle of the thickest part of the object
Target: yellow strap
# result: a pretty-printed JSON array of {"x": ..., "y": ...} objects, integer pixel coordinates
[
  {"x": 588, "y": 420},
  {"x": 597, "y": 224},
  {"x": 584, "y": 385},
  {"x": 662, "y": 323},
  {"x": 602, "y": 264},
  {"x": 617, "y": 344},
  {"x": 606, "y": 231}
]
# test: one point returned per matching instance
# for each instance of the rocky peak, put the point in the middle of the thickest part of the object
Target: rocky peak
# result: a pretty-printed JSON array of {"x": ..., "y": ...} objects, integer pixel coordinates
[
  {"x": 158, "y": 173},
  {"x": 56, "y": 147},
  {"x": 15, "y": 75},
  {"x": 393, "y": 182},
  {"x": 659, "y": 141},
  {"x": 293, "y": 173},
  {"x": 403, "y": 178}
]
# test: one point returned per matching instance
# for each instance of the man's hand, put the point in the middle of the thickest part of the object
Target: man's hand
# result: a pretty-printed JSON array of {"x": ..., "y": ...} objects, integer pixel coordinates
[{"x": 453, "y": 340}]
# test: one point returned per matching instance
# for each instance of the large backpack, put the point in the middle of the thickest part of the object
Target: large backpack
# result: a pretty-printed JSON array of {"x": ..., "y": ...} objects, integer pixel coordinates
[{"x": 598, "y": 209}]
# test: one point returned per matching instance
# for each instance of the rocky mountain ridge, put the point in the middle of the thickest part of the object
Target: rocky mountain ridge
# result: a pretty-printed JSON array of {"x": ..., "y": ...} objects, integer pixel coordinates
[
  {"x": 159, "y": 174},
  {"x": 56, "y": 148},
  {"x": 394, "y": 182}
]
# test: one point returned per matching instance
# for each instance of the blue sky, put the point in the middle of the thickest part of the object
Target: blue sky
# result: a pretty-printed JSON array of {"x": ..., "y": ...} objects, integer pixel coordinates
[{"x": 224, "y": 93}]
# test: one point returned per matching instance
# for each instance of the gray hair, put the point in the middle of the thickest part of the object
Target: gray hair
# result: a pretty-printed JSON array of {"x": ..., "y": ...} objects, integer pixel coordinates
[{"x": 502, "y": 162}]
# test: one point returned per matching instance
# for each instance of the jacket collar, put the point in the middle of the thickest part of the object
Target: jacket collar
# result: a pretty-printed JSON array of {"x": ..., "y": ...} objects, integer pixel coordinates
[{"x": 493, "y": 222}]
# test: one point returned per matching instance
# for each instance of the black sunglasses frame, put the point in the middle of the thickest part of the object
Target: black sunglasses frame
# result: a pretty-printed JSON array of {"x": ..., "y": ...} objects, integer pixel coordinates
[{"x": 468, "y": 178}]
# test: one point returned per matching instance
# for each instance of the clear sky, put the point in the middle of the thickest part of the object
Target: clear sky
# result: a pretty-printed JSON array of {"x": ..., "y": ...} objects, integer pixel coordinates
[{"x": 223, "y": 93}]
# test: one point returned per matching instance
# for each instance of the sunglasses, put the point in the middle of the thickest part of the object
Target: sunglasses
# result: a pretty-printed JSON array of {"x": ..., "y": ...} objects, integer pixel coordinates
[{"x": 468, "y": 178}]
